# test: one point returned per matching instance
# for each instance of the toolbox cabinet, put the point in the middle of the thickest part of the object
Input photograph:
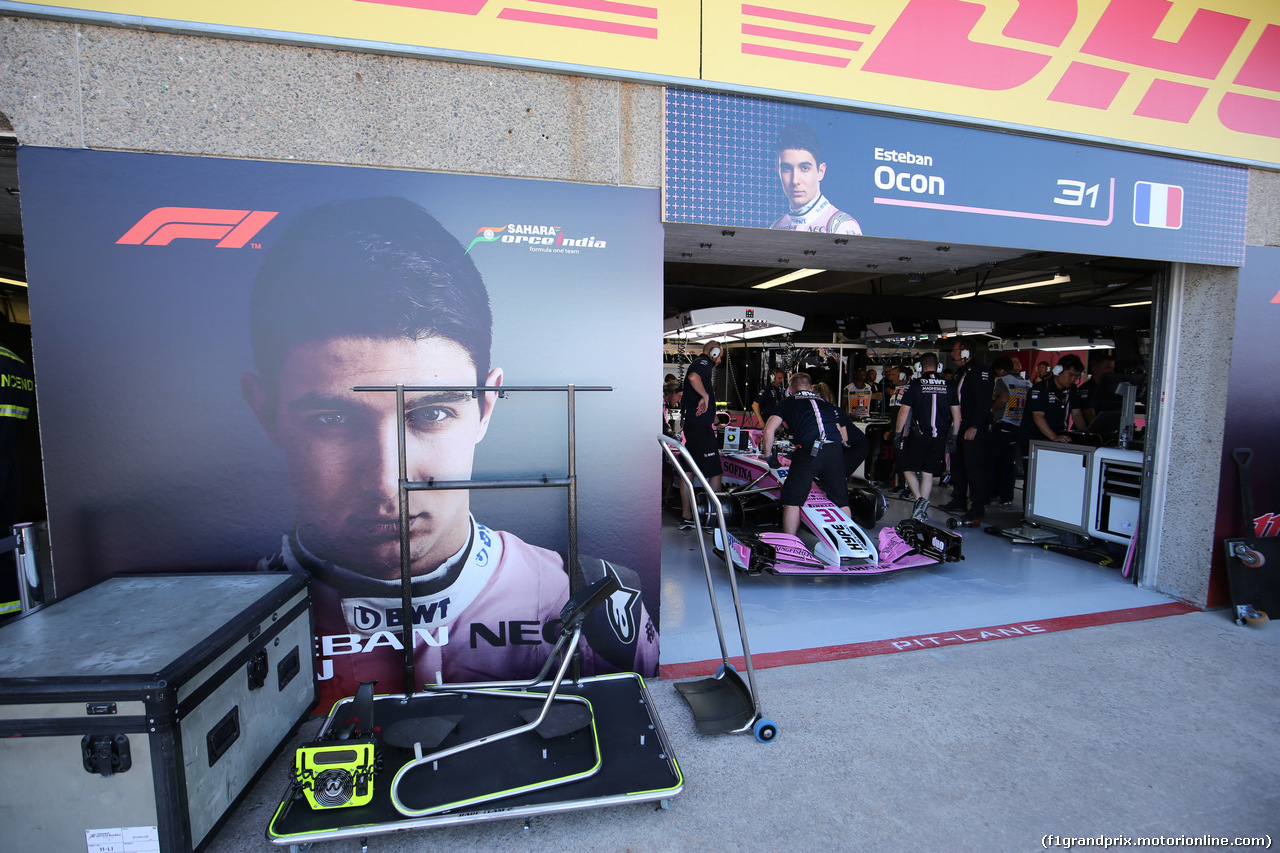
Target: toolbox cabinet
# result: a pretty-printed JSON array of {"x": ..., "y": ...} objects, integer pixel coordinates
[{"x": 135, "y": 713}]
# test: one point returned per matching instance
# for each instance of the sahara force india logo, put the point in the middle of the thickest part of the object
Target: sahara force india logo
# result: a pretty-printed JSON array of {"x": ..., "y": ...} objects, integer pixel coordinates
[{"x": 539, "y": 238}]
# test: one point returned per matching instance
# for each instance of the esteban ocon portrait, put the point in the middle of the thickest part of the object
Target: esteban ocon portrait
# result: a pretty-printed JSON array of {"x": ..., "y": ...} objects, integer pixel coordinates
[
  {"x": 376, "y": 292},
  {"x": 801, "y": 168}
]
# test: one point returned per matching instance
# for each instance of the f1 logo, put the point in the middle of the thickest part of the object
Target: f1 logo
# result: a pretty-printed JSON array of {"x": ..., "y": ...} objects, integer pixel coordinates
[{"x": 233, "y": 229}]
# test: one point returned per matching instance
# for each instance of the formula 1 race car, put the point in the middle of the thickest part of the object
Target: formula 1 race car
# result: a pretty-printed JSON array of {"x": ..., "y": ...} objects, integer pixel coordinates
[{"x": 843, "y": 547}]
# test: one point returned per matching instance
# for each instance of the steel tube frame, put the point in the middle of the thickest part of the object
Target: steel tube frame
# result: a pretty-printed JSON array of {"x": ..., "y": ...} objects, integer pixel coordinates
[{"x": 406, "y": 485}]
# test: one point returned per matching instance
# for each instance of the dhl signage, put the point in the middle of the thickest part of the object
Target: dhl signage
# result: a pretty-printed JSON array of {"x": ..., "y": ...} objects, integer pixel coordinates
[
  {"x": 1190, "y": 75},
  {"x": 1196, "y": 75},
  {"x": 641, "y": 36}
]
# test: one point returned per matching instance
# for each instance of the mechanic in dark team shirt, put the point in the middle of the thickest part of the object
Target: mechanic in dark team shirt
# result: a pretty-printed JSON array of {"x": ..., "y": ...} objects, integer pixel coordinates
[
  {"x": 1054, "y": 402},
  {"x": 975, "y": 387},
  {"x": 880, "y": 453},
  {"x": 698, "y": 418},
  {"x": 1092, "y": 399},
  {"x": 769, "y": 397},
  {"x": 928, "y": 421},
  {"x": 818, "y": 450},
  {"x": 856, "y": 447}
]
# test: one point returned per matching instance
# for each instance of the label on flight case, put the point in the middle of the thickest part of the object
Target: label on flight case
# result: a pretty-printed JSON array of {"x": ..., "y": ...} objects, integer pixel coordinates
[{"x": 123, "y": 839}]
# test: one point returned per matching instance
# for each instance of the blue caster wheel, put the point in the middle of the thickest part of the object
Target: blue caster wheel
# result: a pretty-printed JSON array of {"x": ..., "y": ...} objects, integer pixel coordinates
[{"x": 765, "y": 730}]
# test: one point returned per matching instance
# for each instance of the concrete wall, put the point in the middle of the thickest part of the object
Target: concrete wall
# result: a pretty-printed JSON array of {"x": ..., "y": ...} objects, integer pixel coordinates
[
  {"x": 77, "y": 86},
  {"x": 1263, "y": 225}
]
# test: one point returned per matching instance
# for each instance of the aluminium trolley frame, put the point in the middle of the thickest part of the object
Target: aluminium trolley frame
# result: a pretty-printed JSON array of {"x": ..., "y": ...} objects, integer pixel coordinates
[
  {"x": 627, "y": 758},
  {"x": 723, "y": 703}
]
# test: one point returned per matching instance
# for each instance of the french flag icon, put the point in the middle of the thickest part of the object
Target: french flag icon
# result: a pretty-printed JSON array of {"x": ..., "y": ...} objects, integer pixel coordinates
[{"x": 1157, "y": 205}]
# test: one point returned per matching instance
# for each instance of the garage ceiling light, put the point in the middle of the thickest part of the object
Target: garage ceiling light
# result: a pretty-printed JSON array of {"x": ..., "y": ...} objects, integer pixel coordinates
[
  {"x": 1057, "y": 279},
  {"x": 12, "y": 281},
  {"x": 784, "y": 279},
  {"x": 1131, "y": 304}
]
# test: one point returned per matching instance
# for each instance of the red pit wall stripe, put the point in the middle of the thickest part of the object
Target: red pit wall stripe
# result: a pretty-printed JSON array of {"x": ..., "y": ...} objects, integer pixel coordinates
[{"x": 768, "y": 660}]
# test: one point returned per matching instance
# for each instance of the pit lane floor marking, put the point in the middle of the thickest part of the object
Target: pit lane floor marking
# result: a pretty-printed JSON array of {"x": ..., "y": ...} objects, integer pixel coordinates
[{"x": 766, "y": 660}]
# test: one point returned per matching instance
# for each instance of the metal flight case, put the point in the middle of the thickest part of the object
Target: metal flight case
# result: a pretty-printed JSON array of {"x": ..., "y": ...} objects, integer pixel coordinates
[{"x": 138, "y": 711}]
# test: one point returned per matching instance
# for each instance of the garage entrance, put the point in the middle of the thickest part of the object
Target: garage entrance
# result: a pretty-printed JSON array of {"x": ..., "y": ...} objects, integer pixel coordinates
[
  {"x": 1035, "y": 248},
  {"x": 853, "y": 320}
]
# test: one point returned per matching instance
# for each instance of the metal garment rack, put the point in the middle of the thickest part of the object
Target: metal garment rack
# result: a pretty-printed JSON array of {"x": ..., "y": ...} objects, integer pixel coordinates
[{"x": 569, "y": 482}]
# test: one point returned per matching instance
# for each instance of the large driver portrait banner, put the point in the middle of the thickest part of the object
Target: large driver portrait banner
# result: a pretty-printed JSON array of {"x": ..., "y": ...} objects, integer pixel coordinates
[{"x": 199, "y": 326}]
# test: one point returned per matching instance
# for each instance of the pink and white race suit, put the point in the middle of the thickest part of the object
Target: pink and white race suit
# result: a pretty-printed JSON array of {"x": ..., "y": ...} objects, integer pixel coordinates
[
  {"x": 489, "y": 613},
  {"x": 819, "y": 215}
]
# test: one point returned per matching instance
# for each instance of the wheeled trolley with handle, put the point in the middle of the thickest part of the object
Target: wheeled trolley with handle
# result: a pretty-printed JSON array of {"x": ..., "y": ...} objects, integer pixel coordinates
[{"x": 133, "y": 714}]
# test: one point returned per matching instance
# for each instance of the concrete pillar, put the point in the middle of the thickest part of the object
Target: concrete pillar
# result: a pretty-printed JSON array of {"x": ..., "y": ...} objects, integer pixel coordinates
[{"x": 1196, "y": 345}]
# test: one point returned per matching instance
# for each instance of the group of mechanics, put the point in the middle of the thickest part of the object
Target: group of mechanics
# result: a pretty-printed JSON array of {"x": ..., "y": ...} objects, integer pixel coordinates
[
  {"x": 979, "y": 418},
  {"x": 820, "y": 434}
]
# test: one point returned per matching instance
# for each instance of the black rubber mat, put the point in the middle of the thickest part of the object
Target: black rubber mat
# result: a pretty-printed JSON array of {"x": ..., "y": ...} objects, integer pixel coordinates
[{"x": 635, "y": 761}]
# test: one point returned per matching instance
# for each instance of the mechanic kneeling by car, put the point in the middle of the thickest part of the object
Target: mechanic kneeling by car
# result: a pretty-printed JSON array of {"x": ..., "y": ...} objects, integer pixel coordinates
[{"x": 818, "y": 450}]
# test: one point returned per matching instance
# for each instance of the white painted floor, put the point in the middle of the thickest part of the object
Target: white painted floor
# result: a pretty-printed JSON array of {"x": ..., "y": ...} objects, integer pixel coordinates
[{"x": 997, "y": 583}]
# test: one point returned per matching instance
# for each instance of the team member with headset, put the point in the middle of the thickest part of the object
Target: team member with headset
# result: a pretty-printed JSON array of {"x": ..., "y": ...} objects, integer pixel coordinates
[
  {"x": 895, "y": 383},
  {"x": 925, "y": 430},
  {"x": 1054, "y": 401},
  {"x": 818, "y": 454},
  {"x": 975, "y": 387},
  {"x": 698, "y": 417},
  {"x": 769, "y": 397}
]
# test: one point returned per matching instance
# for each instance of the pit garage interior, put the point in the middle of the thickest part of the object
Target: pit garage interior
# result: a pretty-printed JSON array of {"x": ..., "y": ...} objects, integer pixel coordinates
[{"x": 876, "y": 302}]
